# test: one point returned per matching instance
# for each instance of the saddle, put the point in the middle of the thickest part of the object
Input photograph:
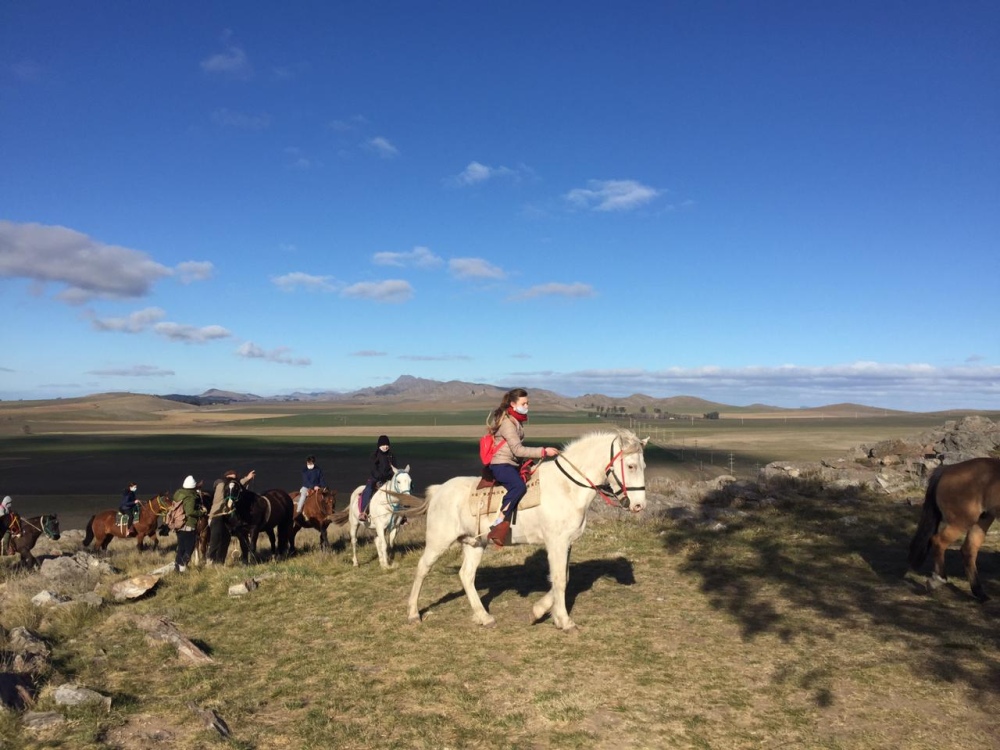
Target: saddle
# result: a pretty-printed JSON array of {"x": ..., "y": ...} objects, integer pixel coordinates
[{"x": 486, "y": 497}]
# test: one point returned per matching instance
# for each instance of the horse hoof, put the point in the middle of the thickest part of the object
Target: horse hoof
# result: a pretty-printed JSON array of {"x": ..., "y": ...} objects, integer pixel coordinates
[{"x": 413, "y": 620}]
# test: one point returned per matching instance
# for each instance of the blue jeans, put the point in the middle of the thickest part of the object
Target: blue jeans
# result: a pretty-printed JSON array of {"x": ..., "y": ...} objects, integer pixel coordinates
[{"x": 510, "y": 477}]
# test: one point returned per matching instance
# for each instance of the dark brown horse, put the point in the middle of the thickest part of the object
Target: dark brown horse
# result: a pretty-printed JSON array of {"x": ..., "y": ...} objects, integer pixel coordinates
[
  {"x": 317, "y": 511},
  {"x": 961, "y": 498},
  {"x": 252, "y": 514},
  {"x": 103, "y": 527},
  {"x": 31, "y": 529}
]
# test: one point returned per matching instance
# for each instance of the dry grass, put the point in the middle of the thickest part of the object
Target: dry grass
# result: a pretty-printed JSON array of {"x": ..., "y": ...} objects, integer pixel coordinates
[{"x": 793, "y": 627}]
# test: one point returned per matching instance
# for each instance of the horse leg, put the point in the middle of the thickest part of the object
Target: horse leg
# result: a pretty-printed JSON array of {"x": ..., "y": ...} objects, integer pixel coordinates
[
  {"x": 324, "y": 542},
  {"x": 970, "y": 550},
  {"x": 946, "y": 535},
  {"x": 106, "y": 541},
  {"x": 433, "y": 549},
  {"x": 381, "y": 547},
  {"x": 472, "y": 555},
  {"x": 354, "y": 538},
  {"x": 555, "y": 599}
]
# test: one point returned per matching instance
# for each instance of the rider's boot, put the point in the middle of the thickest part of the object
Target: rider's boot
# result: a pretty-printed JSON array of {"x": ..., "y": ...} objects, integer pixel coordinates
[{"x": 498, "y": 534}]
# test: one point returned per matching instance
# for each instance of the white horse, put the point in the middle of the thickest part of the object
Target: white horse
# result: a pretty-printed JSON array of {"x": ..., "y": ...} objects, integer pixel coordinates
[
  {"x": 380, "y": 515},
  {"x": 609, "y": 464}
]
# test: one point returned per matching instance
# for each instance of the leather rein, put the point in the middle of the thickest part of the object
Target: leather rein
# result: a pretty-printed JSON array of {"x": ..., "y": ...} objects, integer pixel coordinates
[{"x": 614, "y": 497}]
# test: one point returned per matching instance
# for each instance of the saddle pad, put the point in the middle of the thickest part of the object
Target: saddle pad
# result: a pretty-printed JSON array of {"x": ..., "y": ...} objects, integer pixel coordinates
[{"x": 482, "y": 503}]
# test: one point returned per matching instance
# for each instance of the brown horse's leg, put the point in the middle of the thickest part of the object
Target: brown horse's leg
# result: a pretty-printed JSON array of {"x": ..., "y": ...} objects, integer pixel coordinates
[
  {"x": 944, "y": 538},
  {"x": 970, "y": 550},
  {"x": 106, "y": 541}
]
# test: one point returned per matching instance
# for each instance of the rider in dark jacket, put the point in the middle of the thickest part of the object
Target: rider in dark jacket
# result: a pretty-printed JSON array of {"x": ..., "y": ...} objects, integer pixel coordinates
[
  {"x": 382, "y": 462},
  {"x": 129, "y": 506}
]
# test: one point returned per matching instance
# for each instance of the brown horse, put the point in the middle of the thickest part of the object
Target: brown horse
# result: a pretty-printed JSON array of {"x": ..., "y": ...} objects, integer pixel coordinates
[
  {"x": 103, "y": 527},
  {"x": 317, "y": 510},
  {"x": 31, "y": 529},
  {"x": 961, "y": 498},
  {"x": 269, "y": 512}
]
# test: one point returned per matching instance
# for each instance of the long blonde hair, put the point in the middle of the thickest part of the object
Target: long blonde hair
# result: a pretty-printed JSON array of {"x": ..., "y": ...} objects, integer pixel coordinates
[{"x": 493, "y": 420}]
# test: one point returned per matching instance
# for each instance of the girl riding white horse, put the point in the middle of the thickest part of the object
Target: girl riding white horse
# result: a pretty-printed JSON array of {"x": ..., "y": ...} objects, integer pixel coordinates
[
  {"x": 606, "y": 464},
  {"x": 380, "y": 514}
]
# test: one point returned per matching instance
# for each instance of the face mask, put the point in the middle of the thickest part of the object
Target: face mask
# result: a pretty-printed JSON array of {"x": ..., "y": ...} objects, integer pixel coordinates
[
  {"x": 521, "y": 409},
  {"x": 384, "y": 448},
  {"x": 310, "y": 466},
  {"x": 133, "y": 488}
]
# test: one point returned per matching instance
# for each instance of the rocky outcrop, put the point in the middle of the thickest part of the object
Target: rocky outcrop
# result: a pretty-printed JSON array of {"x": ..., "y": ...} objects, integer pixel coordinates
[{"x": 893, "y": 468}]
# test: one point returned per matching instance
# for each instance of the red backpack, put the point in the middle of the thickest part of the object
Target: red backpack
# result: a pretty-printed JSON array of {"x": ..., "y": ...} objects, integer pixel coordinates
[{"x": 488, "y": 447}]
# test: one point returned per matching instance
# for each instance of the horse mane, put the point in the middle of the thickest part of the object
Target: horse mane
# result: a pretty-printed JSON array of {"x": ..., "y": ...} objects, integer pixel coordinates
[{"x": 630, "y": 442}]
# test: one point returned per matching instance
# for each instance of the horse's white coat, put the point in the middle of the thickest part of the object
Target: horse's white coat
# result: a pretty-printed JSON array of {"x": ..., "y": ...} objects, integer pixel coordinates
[
  {"x": 557, "y": 522},
  {"x": 379, "y": 515}
]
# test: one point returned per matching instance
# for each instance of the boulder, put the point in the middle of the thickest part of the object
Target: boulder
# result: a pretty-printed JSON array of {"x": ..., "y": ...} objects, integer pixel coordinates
[
  {"x": 133, "y": 588},
  {"x": 48, "y": 599},
  {"x": 25, "y": 642},
  {"x": 37, "y": 720},
  {"x": 69, "y": 694}
]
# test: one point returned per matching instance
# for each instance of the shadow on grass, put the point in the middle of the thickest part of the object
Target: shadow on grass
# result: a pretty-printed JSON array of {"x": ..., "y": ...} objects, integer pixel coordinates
[
  {"x": 820, "y": 556},
  {"x": 532, "y": 577}
]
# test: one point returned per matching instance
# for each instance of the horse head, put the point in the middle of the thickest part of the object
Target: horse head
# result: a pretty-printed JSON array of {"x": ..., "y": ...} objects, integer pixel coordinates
[
  {"x": 627, "y": 471},
  {"x": 401, "y": 480},
  {"x": 326, "y": 499},
  {"x": 50, "y": 525}
]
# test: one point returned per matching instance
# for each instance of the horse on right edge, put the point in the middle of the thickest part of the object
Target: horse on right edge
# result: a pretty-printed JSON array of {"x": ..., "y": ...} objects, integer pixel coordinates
[{"x": 962, "y": 498}]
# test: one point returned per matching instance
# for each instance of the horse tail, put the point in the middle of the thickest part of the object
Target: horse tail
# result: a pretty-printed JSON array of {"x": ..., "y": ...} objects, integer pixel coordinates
[
  {"x": 929, "y": 520},
  {"x": 341, "y": 516},
  {"x": 89, "y": 536}
]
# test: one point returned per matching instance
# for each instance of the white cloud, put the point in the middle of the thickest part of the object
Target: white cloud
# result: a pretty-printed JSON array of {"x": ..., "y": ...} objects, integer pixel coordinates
[
  {"x": 297, "y": 280},
  {"x": 232, "y": 61},
  {"x": 382, "y": 147},
  {"x": 555, "y": 289},
  {"x": 420, "y": 257},
  {"x": 435, "y": 357},
  {"x": 194, "y": 270},
  {"x": 915, "y": 387},
  {"x": 191, "y": 334},
  {"x": 368, "y": 353},
  {"x": 26, "y": 71},
  {"x": 474, "y": 268},
  {"x": 135, "y": 322},
  {"x": 612, "y": 195},
  {"x": 250, "y": 350},
  {"x": 227, "y": 118},
  {"x": 348, "y": 124},
  {"x": 476, "y": 173},
  {"x": 392, "y": 290},
  {"x": 136, "y": 371},
  {"x": 86, "y": 267}
]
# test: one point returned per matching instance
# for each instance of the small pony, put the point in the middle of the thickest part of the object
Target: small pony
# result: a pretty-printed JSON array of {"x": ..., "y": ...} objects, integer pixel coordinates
[
  {"x": 382, "y": 517},
  {"x": 31, "y": 529},
  {"x": 317, "y": 512},
  {"x": 962, "y": 498}
]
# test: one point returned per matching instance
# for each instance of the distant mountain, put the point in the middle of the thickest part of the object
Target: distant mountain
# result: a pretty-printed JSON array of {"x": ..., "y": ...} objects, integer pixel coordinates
[
  {"x": 410, "y": 389},
  {"x": 212, "y": 397}
]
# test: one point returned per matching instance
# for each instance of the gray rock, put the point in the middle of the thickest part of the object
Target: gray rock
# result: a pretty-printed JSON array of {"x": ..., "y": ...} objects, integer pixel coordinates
[
  {"x": 70, "y": 694},
  {"x": 90, "y": 598},
  {"x": 48, "y": 599},
  {"x": 133, "y": 588},
  {"x": 37, "y": 720},
  {"x": 23, "y": 641},
  {"x": 240, "y": 589}
]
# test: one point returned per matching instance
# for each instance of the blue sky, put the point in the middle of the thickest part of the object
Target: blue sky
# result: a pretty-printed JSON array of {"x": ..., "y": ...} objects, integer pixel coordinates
[{"x": 794, "y": 203}]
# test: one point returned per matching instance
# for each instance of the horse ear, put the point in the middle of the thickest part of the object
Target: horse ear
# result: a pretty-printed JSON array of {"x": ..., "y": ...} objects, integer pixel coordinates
[
  {"x": 644, "y": 441},
  {"x": 407, "y": 469}
]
